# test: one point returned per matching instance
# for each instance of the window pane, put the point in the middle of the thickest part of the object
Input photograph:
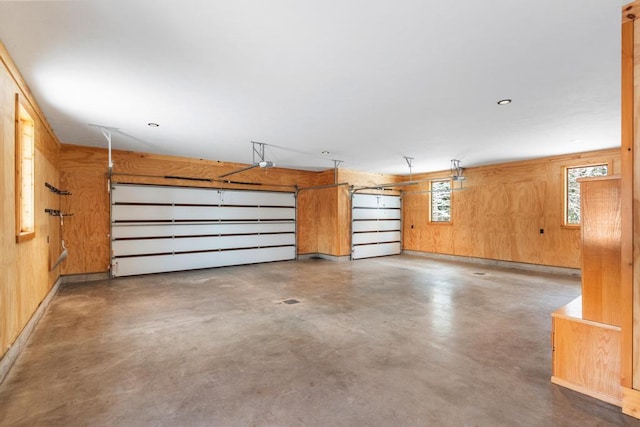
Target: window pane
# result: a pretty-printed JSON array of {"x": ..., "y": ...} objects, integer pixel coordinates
[
  {"x": 441, "y": 201},
  {"x": 25, "y": 194},
  {"x": 573, "y": 189}
]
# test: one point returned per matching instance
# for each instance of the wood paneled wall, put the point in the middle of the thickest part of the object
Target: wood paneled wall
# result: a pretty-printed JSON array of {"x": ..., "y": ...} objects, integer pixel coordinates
[
  {"x": 498, "y": 216},
  {"x": 324, "y": 214},
  {"x": 630, "y": 209},
  {"x": 601, "y": 249},
  {"x": 317, "y": 221},
  {"x": 363, "y": 179},
  {"x": 627, "y": 154},
  {"x": 356, "y": 179},
  {"x": 500, "y": 213},
  {"x": 25, "y": 278},
  {"x": 86, "y": 234},
  {"x": 323, "y": 221},
  {"x": 327, "y": 212},
  {"x": 85, "y": 173}
]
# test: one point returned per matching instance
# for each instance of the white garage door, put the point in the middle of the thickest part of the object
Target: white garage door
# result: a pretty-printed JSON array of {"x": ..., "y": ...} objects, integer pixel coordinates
[
  {"x": 376, "y": 225},
  {"x": 157, "y": 229}
]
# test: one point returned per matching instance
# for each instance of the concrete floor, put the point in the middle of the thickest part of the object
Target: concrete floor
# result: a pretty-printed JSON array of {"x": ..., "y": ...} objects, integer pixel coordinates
[{"x": 401, "y": 341}]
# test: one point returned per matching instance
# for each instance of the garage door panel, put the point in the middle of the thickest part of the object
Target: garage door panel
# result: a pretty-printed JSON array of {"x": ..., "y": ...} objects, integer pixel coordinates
[
  {"x": 257, "y": 198},
  {"x": 161, "y": 228},
  {"x": 161, "y": 194},
  {"x": 185, "y": 244},
  {"x": 361, "y": 213},
  {"x": 179, "y": 262},
  {"x": 121, "y": 231},
  {"x": 376, "y": 225},
  {"x": 382, "y": 249},
  {"x": 375, "y": 201},
  {"x": 128, "y": 213},
  {"x": 375, "y": 237},
  {"x": 194, "y": 196}
]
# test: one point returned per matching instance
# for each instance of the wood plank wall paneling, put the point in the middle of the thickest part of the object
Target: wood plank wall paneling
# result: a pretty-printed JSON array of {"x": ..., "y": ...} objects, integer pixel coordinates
[
  {"x": 311, "y": 206},
  {"x": 324, "y": 215},
  {"x": 493, "y": 219},
  {"x": 327, "y": 221},
  {"x": 343, "y": 222},
  {"x": 129, "y": 164},
  {"x": 356, "y": 179},
  {"x": 635, "y": 176},
  {"x": 601, "y": 261},
  {"x": 86, "y": 233},
  {"x": 500, "y": 213},
  {"x": 626, "y": 195},
  {"x": 363, "y": 179},
  {"x": 25, "y": 278},
  {"x": 85, "y": 170},
  {"x": 307, "y": 221},
  {"x": 327, "y": 214},
  {"x": 630, "y": 195}
]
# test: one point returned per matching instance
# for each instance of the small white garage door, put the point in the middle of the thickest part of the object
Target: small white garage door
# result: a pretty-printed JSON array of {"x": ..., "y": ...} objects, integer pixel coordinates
[
  {"x": 376, "y": 225},
  {"x": 157, "y": 229}
]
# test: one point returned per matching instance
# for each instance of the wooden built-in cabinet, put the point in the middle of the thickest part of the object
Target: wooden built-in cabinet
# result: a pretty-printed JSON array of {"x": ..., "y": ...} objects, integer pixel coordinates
[
  {"x": 586, "y": 354},
  {"x": 601, "y": 296},
  {"x": 586, "y": 333}
]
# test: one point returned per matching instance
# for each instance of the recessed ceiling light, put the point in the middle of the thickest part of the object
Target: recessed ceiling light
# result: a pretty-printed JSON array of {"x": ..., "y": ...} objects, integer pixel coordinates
[
  {"x": 504, "y": 101},
  {"x": 326, "y": 152},
  {"x": 153, "y": 125}
]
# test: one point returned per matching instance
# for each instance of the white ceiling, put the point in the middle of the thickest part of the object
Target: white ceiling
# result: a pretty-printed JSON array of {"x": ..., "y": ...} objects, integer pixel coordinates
[{"x": 369, "y": 81}]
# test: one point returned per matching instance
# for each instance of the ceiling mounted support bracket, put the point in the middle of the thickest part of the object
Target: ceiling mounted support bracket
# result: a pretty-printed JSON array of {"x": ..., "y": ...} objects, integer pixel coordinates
[
  {"x": 107, "y": 135},
  {"x": 456, "y": 171},
  {"x": 336, "y": 163},
  {"x": 409, "y": 161},
  {"x": 106, "y": 132},
  {"x": 258, "y": 150}
]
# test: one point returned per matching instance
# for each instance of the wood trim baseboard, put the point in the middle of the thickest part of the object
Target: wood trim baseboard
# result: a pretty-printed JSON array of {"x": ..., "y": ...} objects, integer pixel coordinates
[
  {"x": 85, "y": 277},
  {"x": 497, "y": 263},
  {"x": 9, "y": 358},
  {"x": 328, "y": 257}
]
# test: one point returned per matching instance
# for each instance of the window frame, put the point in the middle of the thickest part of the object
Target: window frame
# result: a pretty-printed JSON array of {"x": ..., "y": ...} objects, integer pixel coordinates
[
  {"x": 431, "y": 193},
  {"x": 25, "y": 221},
  {"x": 565, "y": 210}
]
